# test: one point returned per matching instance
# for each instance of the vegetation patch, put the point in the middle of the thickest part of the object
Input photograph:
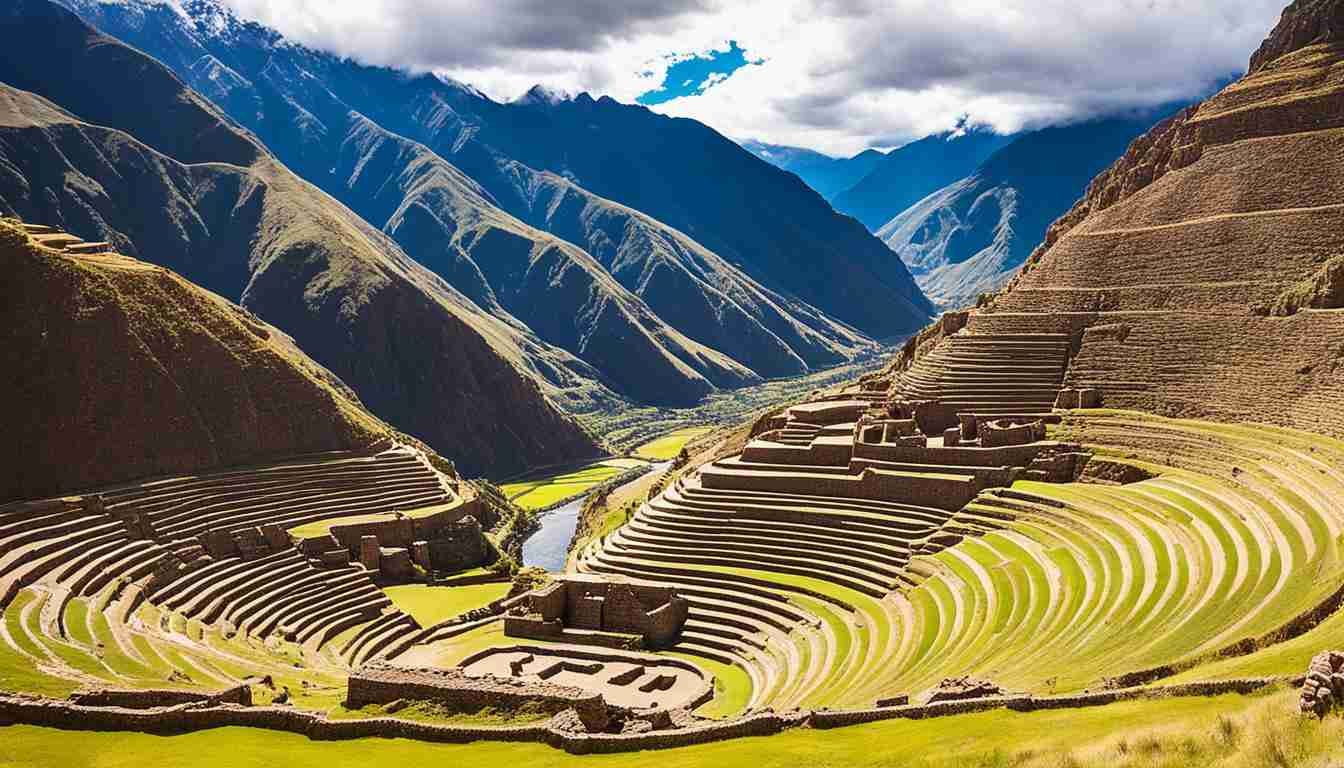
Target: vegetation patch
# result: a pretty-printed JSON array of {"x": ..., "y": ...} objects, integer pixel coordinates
[
  {"x": 668, "y": 446},
  {"x": 430, "y": 604},
  {"x": 543, "y": 492}
]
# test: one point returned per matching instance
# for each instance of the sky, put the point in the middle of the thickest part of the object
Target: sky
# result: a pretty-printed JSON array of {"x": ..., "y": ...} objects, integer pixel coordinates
[{"x": 832, "y": 75}]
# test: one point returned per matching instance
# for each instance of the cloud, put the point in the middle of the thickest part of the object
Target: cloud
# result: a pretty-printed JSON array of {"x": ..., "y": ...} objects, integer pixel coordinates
[{"x": 835, "y": 75}]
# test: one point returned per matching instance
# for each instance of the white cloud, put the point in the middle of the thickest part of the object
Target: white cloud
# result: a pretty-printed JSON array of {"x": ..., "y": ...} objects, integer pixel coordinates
[{"x": 837, "y": 75}]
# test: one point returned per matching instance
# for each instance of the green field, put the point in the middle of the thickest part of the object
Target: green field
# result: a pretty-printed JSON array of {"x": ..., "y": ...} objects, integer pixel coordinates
[
  {"x": 542, "y": 492},
  {"x": 1227, "y": 731},
  {"x": 669, "y": 445},
  {"x": 322, "y": 527},
  {"x": 430, "y": 605}
]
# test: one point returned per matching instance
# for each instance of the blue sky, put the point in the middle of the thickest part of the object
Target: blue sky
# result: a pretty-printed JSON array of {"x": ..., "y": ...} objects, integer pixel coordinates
[{"x": 692, "y": 75}]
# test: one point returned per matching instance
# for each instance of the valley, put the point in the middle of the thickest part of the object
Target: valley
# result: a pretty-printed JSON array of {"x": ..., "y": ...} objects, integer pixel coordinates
[{"x": 356, "y": 415}]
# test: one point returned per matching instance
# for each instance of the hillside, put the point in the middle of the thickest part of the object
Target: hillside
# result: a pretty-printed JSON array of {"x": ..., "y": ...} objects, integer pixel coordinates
[
  {"x": 970, "y": 237},
  {"x": 910, "y": 173},
  {"x": 829, "y": 176},
  {"x": 121, "y": 369},
  {"x": 1199, "y": 270},
  {"x": 480, "y": 205},
  {"x": 90, "y": 124}
]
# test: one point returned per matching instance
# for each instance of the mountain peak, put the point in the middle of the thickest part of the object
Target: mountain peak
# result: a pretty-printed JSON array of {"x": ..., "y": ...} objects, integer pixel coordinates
[
  {"x": 1304, "y": 23},
  {"x": 544, "y": 94}
]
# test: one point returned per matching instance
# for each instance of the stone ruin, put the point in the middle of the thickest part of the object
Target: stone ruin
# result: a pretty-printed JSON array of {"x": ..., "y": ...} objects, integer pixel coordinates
[
  {"x": 964, "y": 688},
  {"x": 398, "y": 549},
  {"x": 1069, "y": 398},
  {"x": 1323, "y": 689},
  {"x": 596, "y": 610},
  {"x": 454, "y": 689}
]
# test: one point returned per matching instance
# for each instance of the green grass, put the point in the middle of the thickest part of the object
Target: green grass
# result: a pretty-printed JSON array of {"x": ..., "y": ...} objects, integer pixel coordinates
[
  {"x": 323, "y": 527},
  {"x": 430, "y": 605},
  {"x": 1172, "y": 732},
  {"x": 542, "y": 492},
  {"x": 669, "y": 445}
]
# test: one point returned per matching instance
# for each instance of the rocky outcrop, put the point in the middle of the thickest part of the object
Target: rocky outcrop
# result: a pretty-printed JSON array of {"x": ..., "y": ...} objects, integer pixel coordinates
[
  {"x": 1323, "y": 689},
  {"x": 1304, "y": 23}
]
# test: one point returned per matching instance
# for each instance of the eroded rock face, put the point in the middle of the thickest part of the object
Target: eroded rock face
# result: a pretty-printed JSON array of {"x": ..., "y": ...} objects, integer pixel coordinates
[
  {"x": 1324, "y": 686},
  {"x": 1304, "y": 23}
]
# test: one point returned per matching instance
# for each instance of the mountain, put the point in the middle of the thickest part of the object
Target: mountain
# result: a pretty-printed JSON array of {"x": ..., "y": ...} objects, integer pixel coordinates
[
  {"x": 827, "y": 175},
  {"x": 970, "y": 237},
  {"x": 724, "y": 271},
  {"x": 119, "y": 369},
  {"x": 1201, "y": 272},
  {"x": 909, "y": 174},
  {"x": 103, "y": 141}
]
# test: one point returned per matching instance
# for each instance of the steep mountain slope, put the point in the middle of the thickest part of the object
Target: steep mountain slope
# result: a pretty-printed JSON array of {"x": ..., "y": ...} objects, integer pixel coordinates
[
  {"x": 677, "y": 305},
  {"x": 776, "y": 240},
  {"x": 909, "y": 174},
  {"x": 970, "y": 236},
  {"x": 1200, "y": 273},
  {"x": 120, "y": 369},
  {"x": 757, "y": 217},
  {"x": 828, "y": 175},
  {"x": 134, "y": 157}
]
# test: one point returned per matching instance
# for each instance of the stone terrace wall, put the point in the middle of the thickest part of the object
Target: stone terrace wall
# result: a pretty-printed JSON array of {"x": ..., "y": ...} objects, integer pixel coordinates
[
  {"x": 1279, "y": 370},
  {"x": 184, "y": 718},
  {"x": 382, "y": 683}
]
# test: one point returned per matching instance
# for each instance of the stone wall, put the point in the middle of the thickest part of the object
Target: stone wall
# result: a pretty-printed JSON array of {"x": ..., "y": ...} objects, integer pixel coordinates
[
  {"x": 184, "y": 718},
  {"x": 616, "y": 606},
  {"x": 384, "y": 683},
  {"x": 151, "y": 698},
  {"x": 949, "y": 493}
]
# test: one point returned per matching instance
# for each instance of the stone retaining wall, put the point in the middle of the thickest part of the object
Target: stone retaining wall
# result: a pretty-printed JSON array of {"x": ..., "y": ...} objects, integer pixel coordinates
[
  {"x": 151, "y": 699},
  {"x": 382, "y": 684},
  {"x": 185, "y": 718}
]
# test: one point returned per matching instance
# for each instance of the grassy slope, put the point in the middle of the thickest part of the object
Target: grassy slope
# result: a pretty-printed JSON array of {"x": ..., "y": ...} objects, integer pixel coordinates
[
  {"x": 541, "y": 492},
  {"x": 430, "y": 605},
  {"x": 1172, "y": 732},
  {"x": 669, "y": 445},
  {"x": 310, "y": 530}
]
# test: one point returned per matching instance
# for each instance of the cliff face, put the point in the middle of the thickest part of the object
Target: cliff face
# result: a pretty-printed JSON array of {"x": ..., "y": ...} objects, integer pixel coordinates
[
  {"x": 119, "y": 369},
  {"x": 1304, "y": 23},
  {"x": 102, "y": 141}
]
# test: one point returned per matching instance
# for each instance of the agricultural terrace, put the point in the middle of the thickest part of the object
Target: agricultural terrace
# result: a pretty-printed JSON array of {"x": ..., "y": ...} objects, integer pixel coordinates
[{"x": 545, "y": 491}]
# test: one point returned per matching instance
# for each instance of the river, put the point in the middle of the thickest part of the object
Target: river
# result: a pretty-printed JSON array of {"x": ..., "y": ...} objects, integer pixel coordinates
[{"x": 549, "y": 547}]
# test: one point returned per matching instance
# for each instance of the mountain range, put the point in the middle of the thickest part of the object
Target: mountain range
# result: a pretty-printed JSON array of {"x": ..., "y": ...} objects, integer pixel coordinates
[
  {"x": 972, "y": 235},
  {"x": 476, "y": 271},
  {"x": 908, "y": 174},
  {"x": 829, "y": 176},
  {"x": 543, "y": 212},
  {"x": 103, "y": 141}
]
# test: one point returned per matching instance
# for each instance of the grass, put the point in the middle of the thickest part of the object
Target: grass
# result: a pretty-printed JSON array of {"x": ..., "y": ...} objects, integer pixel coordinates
[
  {"x": 323, "y": 527},
  {"x": 1228, "y": 731},
  {"x": 430, "y": 605},
  {"x": 669, "y": 445},
  {"x": 542, "y": 492}
]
